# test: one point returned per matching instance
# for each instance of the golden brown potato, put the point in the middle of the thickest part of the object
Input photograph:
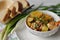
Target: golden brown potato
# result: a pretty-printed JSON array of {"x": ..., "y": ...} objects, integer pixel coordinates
[
  {"x": 47, "y": 17},
  {"x": 30, "y": 19},
  {"x": 36, "y": 14},
  {"x": 29, "y": 24},
  {"x": 44, "y": 28}
]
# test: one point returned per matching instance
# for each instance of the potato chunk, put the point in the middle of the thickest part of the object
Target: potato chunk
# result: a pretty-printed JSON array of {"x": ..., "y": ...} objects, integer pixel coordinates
[
  {"x": 30, "y": 19},
  {"x": 44, "y": 28},
  {"x": 36, "y": 14}
]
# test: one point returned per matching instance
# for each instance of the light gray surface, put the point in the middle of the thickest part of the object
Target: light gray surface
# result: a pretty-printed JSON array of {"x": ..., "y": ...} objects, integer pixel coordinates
[
  {"x": 23, "y": 33},
  {"x": 46, "y": 2}
]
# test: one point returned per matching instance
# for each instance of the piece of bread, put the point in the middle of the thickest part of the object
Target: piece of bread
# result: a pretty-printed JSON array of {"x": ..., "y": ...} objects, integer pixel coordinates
[
  {"x": 19, "y": 6},
  {"x": 13, "y": 12},
  {"x": 15, "y": 9},
  {"x": 5, "y": 16},
  {"x": 5, "y": 4},
  {"x": 25, "y": 3}
]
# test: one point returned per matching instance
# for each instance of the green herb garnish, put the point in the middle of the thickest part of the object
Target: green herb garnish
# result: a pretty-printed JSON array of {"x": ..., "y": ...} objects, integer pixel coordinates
[{"x": 53, "y": 8}]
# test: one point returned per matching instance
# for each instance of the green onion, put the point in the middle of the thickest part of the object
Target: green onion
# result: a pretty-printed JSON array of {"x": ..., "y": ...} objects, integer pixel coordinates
[
  {"x": 53, "y": 8},
  {"x": 11, "y": 25}
]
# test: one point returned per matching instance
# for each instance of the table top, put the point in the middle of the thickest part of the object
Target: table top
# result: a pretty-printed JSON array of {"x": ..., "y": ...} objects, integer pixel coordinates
[{"x": 25, "y": 35}]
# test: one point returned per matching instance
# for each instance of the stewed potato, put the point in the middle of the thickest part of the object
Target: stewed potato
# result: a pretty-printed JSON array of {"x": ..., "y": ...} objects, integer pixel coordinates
[
  {"x": 36, "y": 14},
  {"x": 40, "y": 21}
]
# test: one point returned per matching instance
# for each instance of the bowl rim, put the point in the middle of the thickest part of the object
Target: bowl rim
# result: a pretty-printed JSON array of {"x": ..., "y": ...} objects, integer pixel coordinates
[{"x": 41, "y": 31}]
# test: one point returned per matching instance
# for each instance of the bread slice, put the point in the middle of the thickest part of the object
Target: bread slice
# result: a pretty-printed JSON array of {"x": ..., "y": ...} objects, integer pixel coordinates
[
  {"x": 18, "y": 6},
  {"x": 13, "y": 12},
  {"x": 5, "y": 16},
  {"x": 25, "y": 3},
  {"x": 15, "y": 9}
]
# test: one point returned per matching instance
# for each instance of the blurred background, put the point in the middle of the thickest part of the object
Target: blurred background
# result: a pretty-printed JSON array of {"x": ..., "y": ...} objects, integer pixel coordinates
[{"x": 46, "y": 2}]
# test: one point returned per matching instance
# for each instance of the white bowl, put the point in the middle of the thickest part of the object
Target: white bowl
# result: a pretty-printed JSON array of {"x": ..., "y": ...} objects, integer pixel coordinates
[{"x": 48, "y": 33}]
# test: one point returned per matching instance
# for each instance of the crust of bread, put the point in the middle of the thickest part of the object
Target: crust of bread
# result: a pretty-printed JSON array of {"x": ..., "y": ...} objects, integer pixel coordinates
[
  {"x": 17, "y": 5},
  {"x": 15, "y": 9},
  {"x": 25, "y": 3},
  {"x": 6, "y": 16},
  {"x": 13, "y": 12}
]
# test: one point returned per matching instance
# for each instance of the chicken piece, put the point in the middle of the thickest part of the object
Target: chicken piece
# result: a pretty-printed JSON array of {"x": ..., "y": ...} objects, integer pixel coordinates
[
  {"x": 51, "y": 25},
  {"x": 57, "y": 23},
  {"x": 39, "y": 28}
]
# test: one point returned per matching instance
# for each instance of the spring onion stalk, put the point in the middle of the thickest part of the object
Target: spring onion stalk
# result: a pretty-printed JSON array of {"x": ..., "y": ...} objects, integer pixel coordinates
[
  {"x": 11, "y": 25},
  {"x": 53, "y": 8},
  {"x": 7, "y": 30}
]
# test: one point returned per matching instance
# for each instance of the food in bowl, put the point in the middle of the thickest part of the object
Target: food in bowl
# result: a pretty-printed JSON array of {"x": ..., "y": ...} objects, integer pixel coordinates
[{"x": 40, "y": 21}]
